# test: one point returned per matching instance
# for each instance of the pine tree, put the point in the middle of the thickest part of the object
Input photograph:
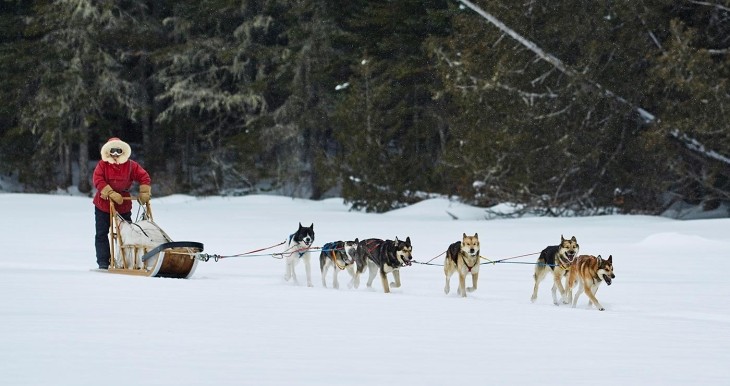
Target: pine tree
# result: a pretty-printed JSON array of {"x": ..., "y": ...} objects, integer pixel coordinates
[
  {"x": 78, "y": 77},
  {"x": 390, "y": 119}
]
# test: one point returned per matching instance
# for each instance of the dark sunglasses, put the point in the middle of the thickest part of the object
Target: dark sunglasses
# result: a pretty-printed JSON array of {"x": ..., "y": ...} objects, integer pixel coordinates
[{"x": 115, "y": 151}]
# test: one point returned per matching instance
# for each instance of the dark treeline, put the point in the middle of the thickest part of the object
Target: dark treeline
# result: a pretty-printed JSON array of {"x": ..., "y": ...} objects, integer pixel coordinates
[{"x": 567, "y": 107}]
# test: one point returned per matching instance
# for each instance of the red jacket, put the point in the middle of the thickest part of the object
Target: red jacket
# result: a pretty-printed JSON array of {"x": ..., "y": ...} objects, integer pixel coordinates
[{"x": 120, "y": 178}]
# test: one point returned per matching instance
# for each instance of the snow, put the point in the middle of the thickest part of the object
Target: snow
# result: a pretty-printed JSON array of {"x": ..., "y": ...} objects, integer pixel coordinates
[{"x": 237, "y": 322}]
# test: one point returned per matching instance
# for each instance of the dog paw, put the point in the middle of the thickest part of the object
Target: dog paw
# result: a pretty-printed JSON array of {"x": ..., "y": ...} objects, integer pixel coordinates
[
  {"x": 394, "y": 284},
  {"x": 471, "y": 289},
  {"x": 447, "y": 290},
  {"x": 601, "y": 309}
]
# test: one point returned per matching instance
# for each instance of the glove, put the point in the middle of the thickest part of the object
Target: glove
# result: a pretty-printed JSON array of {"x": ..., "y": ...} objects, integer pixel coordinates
[
  {"x": 109, "y": 194},
  {"x": 145, "y": 192}
]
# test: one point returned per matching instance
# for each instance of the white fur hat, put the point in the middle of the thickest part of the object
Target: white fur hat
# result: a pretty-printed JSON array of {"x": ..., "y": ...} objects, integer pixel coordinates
[{"x": 112, "y": 143}]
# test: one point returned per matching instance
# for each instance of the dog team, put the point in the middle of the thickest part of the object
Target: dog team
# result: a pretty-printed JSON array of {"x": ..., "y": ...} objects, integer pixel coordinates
[{"x": 384, "y": 257}]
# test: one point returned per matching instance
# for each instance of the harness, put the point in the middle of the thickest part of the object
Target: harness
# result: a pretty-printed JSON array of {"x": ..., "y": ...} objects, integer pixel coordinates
[
  {"x": 375, "y": 244},
  {"x": 331, "y": 247},
  {"x": 563, "y": 264},
  {"x": 467, "y": 265},
  {"x": 599, "y": 262},
  {"x": 301, "y": 252}
]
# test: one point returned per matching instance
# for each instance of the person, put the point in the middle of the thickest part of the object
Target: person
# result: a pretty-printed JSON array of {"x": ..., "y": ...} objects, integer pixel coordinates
[{"x": 113, "y": 177}]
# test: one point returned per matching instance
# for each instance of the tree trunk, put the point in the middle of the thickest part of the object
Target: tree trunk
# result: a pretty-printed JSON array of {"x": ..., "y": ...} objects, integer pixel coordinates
[
  {"x": 66, "y": 173},
  {"x": 84, "y": 175}
]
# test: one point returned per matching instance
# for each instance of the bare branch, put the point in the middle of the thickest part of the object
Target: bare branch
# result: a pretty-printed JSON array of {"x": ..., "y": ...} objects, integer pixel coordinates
[
  {"x": 555, "y": 62},
  {"x": 699, "y": 148},
  {"x": 718, "y": 6}
]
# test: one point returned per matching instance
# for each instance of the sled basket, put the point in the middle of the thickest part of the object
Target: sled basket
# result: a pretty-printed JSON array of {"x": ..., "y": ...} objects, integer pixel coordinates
[{"x": 142, "y": 248}]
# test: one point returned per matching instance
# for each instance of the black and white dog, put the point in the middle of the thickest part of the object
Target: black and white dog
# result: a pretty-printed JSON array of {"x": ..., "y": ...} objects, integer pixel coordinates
[
  {"x": 298, "y": 249},
  {"x": 341, "y": 256},
  {"x": 384, "y": 256}
]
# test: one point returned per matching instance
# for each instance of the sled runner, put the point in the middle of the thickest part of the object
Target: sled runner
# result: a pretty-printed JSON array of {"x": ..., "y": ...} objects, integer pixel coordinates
[{"x": 143, "y": 248}]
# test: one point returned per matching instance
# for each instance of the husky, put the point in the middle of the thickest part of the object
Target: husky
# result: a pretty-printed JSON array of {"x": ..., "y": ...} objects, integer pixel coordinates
[
  {"x": 463, "y": 257},
  {"x": 341, "y": 256},
  {"x": 298, "y": 249},
  {"x": 589, "y": 271},
  {"x": 558, "y": 259},
  {"x": 384, "y": 256}
]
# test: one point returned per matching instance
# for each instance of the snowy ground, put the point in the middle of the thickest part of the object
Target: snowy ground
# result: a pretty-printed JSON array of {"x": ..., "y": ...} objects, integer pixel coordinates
[{"x": 237, "y": 322}]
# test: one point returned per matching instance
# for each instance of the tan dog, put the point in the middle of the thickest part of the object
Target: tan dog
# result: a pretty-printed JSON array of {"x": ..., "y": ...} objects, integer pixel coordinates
[
  {"x": 463, "y": 257},
  {"x": 589, "y": 271},
  {"x": 557, "y": 258}
]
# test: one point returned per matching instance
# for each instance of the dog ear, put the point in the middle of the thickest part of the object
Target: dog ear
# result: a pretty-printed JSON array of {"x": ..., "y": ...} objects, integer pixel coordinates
[
  {"x": 300, "y": 226},
  {"x": 573, "y": 239},
  {"x": 476, "y": 235},
  {"x": 610, "y": 258},
  {"x": 312, "y": 226},
  {"x": 357, "y": 241},
  {"x": 464, "y": 236},
  {"x": 408, "y": 240},
  {"x": 562, "y": 238}
]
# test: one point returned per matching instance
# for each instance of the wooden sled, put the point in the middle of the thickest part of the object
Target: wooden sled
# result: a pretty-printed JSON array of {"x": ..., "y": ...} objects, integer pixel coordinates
[{"x": 142, "y": 248}]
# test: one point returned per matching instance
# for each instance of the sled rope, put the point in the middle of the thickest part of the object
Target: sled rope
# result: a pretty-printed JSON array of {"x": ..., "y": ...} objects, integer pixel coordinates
[
  {"x": 215, "y": 257},
  {"x": 276, "y": 255},
  {"x": 426, "y": 263},
  {"x": 514, "y": 257},
  {"x": 488, "y": 261},
  {"x": 482, "y": 257},
  {"x": 442, "y": 253},
  {"x": 527, "y": 262}
]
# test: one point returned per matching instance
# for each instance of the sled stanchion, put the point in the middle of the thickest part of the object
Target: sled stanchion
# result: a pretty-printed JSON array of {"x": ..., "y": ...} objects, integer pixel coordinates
[
  {"x": 111, "y": 235},
  {"x": 142, "y": 248}
]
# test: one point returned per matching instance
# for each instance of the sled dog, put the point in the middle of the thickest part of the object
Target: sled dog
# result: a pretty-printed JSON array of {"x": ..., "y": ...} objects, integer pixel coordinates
[
  {"x": 384, "y": 256},
  {"x": 463, "y": 257},
  {"x": 298, "y": 249},
  {"x": 341, "y": 256},
  {"x": 588, "y": 272},
  {"x": 556, "y": 258}
]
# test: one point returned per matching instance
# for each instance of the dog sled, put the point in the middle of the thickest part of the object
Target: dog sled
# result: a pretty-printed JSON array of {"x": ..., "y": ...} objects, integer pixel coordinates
[{"x": 142, "y": 248}]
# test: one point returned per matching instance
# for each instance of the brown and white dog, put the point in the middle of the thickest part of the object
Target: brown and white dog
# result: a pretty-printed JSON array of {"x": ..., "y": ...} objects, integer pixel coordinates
[
  {"x": 589, "y": 271},
  {"x": 463, "y": 257},
  {"x": 556, "y": 258}
]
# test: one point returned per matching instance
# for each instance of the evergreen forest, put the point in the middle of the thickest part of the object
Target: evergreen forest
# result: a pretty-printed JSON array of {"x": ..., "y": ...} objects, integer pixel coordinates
[{"x": 565, "y": 107}]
